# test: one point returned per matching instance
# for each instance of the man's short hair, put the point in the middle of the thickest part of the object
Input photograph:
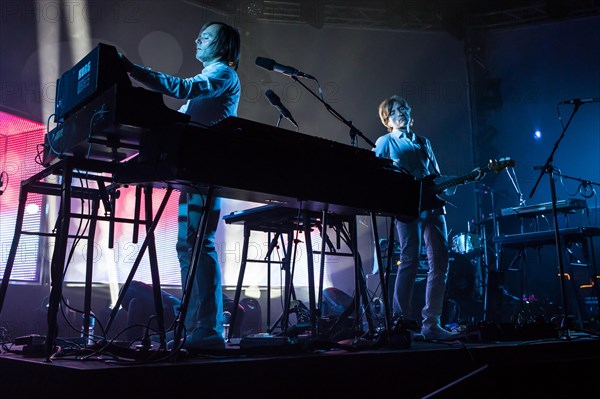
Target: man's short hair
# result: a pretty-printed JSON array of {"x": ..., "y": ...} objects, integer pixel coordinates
[{"x": 386, "y": 107}]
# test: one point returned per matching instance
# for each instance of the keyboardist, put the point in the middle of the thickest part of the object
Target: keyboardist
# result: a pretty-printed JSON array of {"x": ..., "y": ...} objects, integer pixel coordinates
[{"x": 212, "y": 95}]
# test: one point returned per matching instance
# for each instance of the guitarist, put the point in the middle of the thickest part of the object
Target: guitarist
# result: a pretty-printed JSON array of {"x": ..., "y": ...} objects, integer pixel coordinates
[{"x": 414, "y": 154}]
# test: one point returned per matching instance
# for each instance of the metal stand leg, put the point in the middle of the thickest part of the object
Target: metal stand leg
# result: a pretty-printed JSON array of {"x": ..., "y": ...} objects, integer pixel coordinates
[
  {"x": 285, "y": 265},
  {"x": 311, "y": 273},
  {"x": 289, "y": 283},
  {"x": 89, "y": 267},
  {"x": 561, "y": 270},
  {"x": 283, "y": 319},
  {"x": 156, "y": 287},
  {"x": 196, "y": 253},
  {"x": 382, "y": 273},
  {"x": 148, "y": 241},
  {"x": 324, "y": 238},
  {"x": 14, "y": 246},
  {"x": 238, "y": 289},
  {"x": 361, "y": 279},
  {"x": 58, "y": 260},
  {"x": 361, "y": 298}
]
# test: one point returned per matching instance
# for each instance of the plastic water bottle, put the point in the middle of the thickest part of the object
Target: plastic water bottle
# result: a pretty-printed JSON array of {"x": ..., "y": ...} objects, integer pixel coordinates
[
  {"x": 226, "y": 324},
  {"x": 89, "y": 334}
]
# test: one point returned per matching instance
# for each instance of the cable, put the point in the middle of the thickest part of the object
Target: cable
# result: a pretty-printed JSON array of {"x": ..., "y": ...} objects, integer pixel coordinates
[
  {"x": 80, "y": 229},
  {"x": 515, "y": 183},
  {"x": 586, "y": 190},
  {"x": 50, "y": 139},
  {"x": 91, "y": 130},
  {"x": 4, "y": 178}
]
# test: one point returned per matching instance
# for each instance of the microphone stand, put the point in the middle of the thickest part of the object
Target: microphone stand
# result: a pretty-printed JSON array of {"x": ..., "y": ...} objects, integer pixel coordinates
[
  {"x": 360, "y": 286},
  {"x": 549, "y": 169},
  {"x": 353, "y": 130},
  {"x": 488, "y": 314}
]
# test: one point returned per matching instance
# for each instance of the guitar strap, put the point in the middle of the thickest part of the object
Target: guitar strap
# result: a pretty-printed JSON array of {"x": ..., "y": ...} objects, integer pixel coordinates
[
  {"x": 424, "y": 148},
  {"x": 433, "y": 163}
]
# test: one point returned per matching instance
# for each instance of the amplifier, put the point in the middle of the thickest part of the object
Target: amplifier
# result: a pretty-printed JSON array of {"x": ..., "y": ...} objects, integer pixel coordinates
[{"x": 97, "y": 71}]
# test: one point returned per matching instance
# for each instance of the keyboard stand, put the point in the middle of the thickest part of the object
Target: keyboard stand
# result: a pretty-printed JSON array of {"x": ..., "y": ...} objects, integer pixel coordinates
[
  {"x": 538, "y": 239},
  {"x": 68, "y": 169},
  {"x": 284, "y": 222}
]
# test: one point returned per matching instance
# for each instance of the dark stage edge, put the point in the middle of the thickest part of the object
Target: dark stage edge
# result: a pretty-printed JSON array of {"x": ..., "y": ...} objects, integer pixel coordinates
[{"x": 555, "y": 367}]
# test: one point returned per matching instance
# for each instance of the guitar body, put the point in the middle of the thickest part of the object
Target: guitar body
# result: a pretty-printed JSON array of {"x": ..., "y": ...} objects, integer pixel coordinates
[{"x": 430, "y": 198}]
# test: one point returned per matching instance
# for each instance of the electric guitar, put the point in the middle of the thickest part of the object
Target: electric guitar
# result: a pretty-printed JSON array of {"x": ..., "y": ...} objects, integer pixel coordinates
[{"x": 430, "y": 190}]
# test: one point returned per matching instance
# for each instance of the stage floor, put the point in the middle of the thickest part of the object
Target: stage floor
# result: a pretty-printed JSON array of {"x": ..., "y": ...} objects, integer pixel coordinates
[{"x": 557, "y": 367}]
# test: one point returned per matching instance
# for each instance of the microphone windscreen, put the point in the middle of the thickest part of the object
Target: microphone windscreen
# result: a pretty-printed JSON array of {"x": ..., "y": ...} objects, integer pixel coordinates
[{"x": 266, "y": 63}]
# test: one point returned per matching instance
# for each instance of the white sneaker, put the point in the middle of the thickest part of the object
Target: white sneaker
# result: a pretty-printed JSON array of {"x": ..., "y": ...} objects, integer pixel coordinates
[
  {"x": 437, "y": 333},
  {"x": 196, "y": 342},
  {"x": 417, "y": 336}
]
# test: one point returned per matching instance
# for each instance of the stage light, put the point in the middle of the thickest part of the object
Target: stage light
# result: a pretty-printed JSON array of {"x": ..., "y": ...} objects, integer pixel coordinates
[
  {"x": 18, "y": 136},
  {"x": 32, "y": 209},
  {"x": 252, "y": 291},
  {"x": 78, "y": 27}
]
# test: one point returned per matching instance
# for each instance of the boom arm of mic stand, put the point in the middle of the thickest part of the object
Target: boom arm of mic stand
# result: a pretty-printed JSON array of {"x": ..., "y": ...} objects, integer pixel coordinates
[
  {"x": 547, "y": 166},
  {"x": 353, "y": 130},
  {"x": 582, "y": 181}
]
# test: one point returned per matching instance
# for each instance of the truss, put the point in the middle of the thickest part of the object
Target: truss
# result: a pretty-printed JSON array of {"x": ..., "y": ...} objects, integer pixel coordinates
[{"x": 410, "y": 15}]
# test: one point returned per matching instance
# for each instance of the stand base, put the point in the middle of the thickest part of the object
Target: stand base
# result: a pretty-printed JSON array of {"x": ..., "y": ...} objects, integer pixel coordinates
[{"x": 515, "y": 332}]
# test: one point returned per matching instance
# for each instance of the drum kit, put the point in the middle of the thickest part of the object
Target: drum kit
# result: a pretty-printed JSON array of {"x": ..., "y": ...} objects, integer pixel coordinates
[
  {"x": 463, "y": 271},
  {"x": 465, "y": 280},
  {"x": 466, "y": 243},
  {"x": 464, "y": 284}
]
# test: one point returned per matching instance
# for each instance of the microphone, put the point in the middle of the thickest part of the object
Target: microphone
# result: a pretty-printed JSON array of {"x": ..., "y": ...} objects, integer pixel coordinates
[
  {"x": 579, "y": 101},
  {"x": 271, "y": 65},
  {"x": 276, "y": 102}
]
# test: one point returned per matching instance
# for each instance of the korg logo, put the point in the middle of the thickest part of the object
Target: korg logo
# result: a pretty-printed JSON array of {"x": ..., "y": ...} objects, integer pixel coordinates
[{"x": 85, "y": 70}]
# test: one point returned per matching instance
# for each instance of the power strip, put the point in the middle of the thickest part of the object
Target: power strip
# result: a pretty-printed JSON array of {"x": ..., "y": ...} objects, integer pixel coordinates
[{"x": 32, "y": 339}]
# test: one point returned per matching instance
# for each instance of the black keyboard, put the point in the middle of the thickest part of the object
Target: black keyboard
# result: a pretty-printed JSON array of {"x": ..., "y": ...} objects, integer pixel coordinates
[
  {"x": 254, "y": 162},
  {"x": 539, "y": 238}
]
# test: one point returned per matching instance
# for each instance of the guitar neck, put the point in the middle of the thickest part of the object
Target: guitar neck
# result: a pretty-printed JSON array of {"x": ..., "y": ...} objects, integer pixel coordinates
[{"x": 439, "y": 188}]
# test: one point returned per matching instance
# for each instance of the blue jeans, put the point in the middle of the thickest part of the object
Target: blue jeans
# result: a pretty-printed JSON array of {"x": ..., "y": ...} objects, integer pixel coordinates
[
  {"x": 205, "y": 306},
  {"x": 431, "y": 226}
]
